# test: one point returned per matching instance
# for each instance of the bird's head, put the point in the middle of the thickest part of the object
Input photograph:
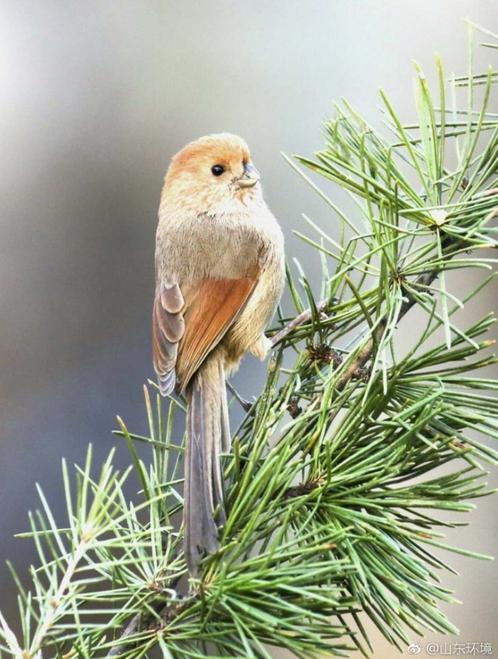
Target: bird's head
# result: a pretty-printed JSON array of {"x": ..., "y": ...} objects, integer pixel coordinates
[{"x": 211, "y": 172}]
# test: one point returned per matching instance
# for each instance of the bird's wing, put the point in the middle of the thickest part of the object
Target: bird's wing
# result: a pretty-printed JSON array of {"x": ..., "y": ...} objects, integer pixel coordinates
[
  {"x": 184, "y": 334},
  {"x": 212, "y": 307}
]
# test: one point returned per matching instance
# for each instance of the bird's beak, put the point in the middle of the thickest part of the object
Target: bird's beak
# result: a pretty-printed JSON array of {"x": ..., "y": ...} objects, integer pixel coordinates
[{"x": 250, "y": 176}]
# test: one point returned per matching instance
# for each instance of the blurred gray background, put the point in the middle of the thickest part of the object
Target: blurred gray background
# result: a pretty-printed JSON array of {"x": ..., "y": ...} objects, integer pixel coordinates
[{"x": 95, "y": 99}]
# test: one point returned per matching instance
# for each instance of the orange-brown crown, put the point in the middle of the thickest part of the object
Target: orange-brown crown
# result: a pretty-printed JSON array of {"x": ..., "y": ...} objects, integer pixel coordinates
[{"x": 225, "y": 149}]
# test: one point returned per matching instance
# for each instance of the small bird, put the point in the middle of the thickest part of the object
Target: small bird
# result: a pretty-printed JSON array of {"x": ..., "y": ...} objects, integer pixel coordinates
[{"x": 219, "y": 277}]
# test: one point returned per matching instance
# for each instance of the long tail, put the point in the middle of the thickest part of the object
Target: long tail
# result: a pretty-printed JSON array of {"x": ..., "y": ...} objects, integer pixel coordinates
[{"x": 208, "y": 434}]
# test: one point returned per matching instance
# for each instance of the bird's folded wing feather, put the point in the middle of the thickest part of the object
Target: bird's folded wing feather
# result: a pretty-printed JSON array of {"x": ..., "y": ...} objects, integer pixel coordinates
[
  {"x": 183, "y": 335},
  {"x": 168, "y": 327}
]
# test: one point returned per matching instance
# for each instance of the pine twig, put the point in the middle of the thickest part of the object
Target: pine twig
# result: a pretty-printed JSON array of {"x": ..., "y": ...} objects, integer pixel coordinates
[
  {"x": 143, "y": 621},
  {"x": 301, "y": 319},
  {"x": 364, "y": 355}
]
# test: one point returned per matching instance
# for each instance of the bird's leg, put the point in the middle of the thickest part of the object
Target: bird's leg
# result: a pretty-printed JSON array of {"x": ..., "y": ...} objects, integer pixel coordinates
[
  {"x": 246, "y": 404},
  {"x": 259, "y": 349}
]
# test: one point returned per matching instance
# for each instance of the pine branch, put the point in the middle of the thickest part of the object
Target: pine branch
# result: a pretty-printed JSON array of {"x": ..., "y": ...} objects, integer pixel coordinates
[
  {"x": 424, "y": 280},
  {"x": 365, "y": 354},
  {"x": 301, "y": 319},
  {"x": 142, "y": 621},
  {"x": 134, "y": 625}
]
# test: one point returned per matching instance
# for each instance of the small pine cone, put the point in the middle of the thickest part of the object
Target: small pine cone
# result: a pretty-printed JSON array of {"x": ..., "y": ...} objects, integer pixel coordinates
[{"x": 324, "y": 354}]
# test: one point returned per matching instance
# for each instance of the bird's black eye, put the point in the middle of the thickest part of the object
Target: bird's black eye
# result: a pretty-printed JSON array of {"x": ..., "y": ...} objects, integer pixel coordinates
[{"x": 217, "y": 170}]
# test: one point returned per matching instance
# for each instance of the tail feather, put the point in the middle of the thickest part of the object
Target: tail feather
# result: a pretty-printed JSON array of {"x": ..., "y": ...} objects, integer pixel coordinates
[{"x": 208, "y": 434}]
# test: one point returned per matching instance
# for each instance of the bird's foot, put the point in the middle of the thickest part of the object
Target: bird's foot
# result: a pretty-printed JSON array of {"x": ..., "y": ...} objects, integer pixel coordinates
[{"x": 245, "y": 404}]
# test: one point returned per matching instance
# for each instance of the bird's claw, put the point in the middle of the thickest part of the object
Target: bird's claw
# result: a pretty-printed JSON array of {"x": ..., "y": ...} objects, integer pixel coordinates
[{"x": 245, "y": 404}]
